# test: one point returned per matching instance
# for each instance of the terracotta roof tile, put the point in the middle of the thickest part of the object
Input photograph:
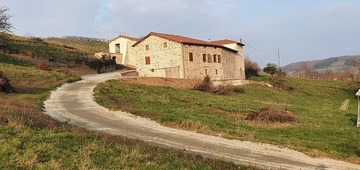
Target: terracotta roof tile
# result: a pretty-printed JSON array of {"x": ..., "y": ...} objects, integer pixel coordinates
[
  {"x": 226, "y": 41},
  {"x": 185, "y": 40}
]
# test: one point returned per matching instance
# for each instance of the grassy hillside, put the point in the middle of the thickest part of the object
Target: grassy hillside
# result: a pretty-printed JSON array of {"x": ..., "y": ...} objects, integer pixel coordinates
[
  {"x": 90, "y": 47},
  {"x": 34, "y": 49},
  {"x": 323, "y": 130},
  {"x": 30, "y": 139},
  {"x": 335, "y": 64}
]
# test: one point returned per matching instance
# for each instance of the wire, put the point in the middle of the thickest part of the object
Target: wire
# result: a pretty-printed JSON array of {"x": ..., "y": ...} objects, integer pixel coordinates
[
  {"x": 262, "y": 51},
  {"x": 282, "y": 56}
]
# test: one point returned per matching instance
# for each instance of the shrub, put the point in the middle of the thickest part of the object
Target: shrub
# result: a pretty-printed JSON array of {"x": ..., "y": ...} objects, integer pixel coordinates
[
  {"x": 100, "y": 64},
  {"x": 205, "y": 85},
  {"x": 43, "y": 66},
  {"x": 5, "y": 85},
  {"x": 268, "y": 115},
  {"x": 227, "y": 90},
  {"x": 251, "y": 68},
  {"x": 270, "y": 69}
]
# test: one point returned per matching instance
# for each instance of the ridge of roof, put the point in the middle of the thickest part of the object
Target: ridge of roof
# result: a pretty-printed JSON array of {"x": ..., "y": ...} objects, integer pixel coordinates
[
  {"x": 127, "y": 37},
  {"x": 227, "y": 41},
  {"x": 184, "y": 40}
]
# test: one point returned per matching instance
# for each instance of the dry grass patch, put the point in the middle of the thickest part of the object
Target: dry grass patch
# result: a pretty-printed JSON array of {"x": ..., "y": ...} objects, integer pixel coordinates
[{"x": 272, "y": 116}]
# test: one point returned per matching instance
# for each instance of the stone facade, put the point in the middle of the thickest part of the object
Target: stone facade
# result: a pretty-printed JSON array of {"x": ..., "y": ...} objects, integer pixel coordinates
[{"x": 164, "y": 55}]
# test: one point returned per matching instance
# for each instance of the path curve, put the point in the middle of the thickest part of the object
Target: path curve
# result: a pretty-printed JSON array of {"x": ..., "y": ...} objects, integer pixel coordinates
[{"x": 74, "y": 103}]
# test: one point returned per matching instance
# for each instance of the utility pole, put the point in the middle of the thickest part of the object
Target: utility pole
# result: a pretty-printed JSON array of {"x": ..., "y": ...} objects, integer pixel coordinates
[
  {"x": 358, "y": 117},
  {"x": 279, "y": 57}
]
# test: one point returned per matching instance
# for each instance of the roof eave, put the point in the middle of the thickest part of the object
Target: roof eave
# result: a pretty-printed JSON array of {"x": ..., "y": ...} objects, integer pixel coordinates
[{"x": 210, "y": 45}]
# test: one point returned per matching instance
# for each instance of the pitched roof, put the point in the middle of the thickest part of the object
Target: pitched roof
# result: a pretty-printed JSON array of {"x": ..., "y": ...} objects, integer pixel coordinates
[
  {"x": 183, "y": 40},
  {"x": 226, "y": 41},
  {"x": 123, "y": 36}
]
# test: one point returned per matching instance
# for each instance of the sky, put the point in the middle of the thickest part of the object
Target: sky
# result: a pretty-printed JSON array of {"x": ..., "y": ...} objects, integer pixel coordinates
[{"x": 302, "y": 29}]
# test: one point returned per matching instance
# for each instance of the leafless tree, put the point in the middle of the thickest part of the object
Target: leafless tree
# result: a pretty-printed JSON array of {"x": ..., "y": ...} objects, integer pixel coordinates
[
  {"x": 303, "y": 70},
  {"x": 251, "y": 68},
  {"x": 5, "y": 25}
]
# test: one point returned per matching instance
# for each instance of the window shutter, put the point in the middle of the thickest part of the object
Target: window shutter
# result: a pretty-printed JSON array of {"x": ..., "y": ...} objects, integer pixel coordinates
[{"x": 147, "y": 60}]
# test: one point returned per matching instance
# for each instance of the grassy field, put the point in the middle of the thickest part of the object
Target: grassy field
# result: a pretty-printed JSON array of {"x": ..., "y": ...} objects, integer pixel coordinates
[
  {"x": 30, "y": 139},
  {"x": 90, "y": 47},
  {"x": 323, "y": 130}
]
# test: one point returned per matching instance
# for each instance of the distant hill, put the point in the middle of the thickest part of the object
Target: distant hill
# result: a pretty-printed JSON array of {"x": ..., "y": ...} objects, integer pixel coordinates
[{"x": 335, "y": 64}]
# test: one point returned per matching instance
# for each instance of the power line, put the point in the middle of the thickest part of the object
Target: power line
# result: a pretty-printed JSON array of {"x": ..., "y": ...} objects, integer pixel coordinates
[
  {"x": 282, "y": 56},
  {"x": 262, "y": 51}
]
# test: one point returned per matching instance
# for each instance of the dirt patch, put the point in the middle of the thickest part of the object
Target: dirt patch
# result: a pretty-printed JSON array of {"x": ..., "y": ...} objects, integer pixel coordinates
[
  {"x": 272, "y": 116},
  {"x": 159, "y": 81}
]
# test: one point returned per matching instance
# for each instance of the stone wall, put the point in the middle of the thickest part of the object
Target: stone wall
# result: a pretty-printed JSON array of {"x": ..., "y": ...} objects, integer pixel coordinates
[
  {"x": 198, "y": 69},
  {"x": 165, "y": 58},
  {"x": 230, "y": 66},
  {"x": 172, "y": 59}
]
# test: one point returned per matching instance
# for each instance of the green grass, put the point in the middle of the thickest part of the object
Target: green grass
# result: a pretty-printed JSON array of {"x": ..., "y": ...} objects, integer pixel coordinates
[
  {"x": 13, "y": 61},
  {"x": 60, "y": 50},
  {"x": 39, "y": 49},
  {"x": 32, "y": 140},
  {"x": 322, "y": 130},
  {"x": 29, "y": 148},
  {"x": 90, "y": 47}
]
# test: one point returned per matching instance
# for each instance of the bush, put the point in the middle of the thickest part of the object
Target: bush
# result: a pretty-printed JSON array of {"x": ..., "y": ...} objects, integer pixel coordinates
[
  {"x": 5, "y": 85},
  {"x": 43, "y": 66},
  {"x": 251, "y": 68},
  {"x": 207, "y": 86},
  {"x": 227, "y": 90},
  {"x": 101, "y": 64},
  {"x": 268, "y": 115}
]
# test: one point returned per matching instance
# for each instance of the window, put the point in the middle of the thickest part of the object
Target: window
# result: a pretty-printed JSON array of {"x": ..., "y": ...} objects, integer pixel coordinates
[
  {"x": 219, "y": 58},
  {"x": 147, "y": 60},
  {"x": 215, "y": 58},
  {"x": 165, "y": 45},
  {"x": 117, "y": 48},
  {"x": 209, "y": 58},
  {"x": 147, "y": 47},
  {"x": 191, "y": 56},
  {"x": 216, "y": 72},
  {"x": 204, "y": 58}
]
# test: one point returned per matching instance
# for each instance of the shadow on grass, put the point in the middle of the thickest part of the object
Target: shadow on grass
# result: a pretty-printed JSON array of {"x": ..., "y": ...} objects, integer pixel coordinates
[
  {"x": 32, "y": 90},
  {"x": 352, "y": 117},
  {"x": 10, "y": 60}
]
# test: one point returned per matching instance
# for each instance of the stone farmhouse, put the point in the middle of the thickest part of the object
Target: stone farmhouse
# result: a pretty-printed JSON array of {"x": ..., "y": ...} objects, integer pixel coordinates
[{"x": 174, "y": 56}]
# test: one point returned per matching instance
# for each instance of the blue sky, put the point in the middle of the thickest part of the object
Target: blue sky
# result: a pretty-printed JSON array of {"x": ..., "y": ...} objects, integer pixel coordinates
[{"x": 302, "y": 29}]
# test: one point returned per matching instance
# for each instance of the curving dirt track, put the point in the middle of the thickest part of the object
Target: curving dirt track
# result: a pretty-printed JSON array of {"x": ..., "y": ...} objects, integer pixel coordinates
[{"x": 74, "y": 103}]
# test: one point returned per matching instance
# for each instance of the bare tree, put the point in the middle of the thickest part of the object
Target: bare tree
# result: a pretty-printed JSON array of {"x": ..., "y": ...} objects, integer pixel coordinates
[
  {"x": 303, "y": 70},
  {"x": 5, "y": 25},
  {"x": 251, "y": 68}
]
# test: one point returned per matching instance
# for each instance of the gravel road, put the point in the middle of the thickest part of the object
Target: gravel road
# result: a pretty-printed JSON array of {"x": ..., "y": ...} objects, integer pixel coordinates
[{"x": 74, "y": 103}]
